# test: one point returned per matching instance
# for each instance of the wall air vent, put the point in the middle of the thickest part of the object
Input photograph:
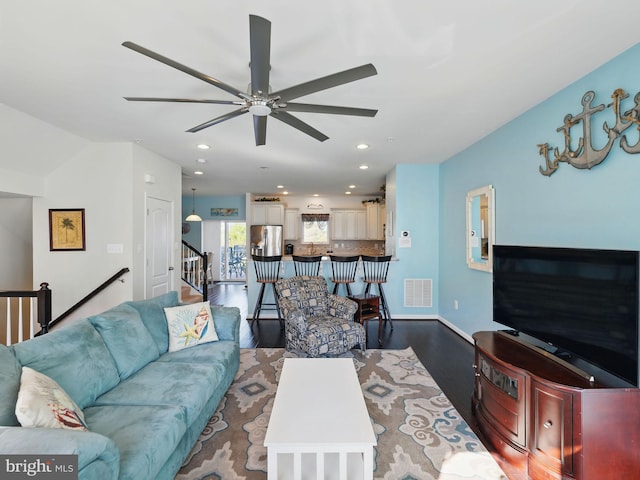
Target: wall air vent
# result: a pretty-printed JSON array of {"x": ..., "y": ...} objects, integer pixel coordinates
[{"x": 418, "y": 292}]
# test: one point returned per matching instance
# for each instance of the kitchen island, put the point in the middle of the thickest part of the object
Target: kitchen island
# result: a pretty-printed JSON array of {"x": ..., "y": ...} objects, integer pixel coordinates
[{"x": 393, "y": 293}]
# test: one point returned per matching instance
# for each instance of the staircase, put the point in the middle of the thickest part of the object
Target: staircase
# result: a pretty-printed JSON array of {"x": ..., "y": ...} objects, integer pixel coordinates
[
  {"x": 189, "y": 295},
  {"x": 195, "y": 272}
]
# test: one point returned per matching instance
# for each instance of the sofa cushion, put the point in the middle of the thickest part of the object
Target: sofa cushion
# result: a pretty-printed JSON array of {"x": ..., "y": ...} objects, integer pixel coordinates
[
  {"x": 145, "y": 435},
  {"x": 130, "y": 343},
  {"x": 43, "y": 403},
  {"x": 98, "y": 456},
  {"x": 221, "y": 356},
  {"x": 9, "y": 386},
  {"x": 190, "y": 325},
  {"x": 152, "y": 314},
  {"x": 226, "y": 320},
  {"x": 74, "y": 356},
  {"x": 188, "y": 385}
]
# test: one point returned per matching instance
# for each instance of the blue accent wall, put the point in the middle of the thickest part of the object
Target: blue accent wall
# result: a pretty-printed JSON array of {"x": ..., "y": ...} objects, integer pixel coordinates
[
  {"x": 597, "y": 208},
  {"x": 203, "y": 206},
  {"x": 418, "y": 212}
]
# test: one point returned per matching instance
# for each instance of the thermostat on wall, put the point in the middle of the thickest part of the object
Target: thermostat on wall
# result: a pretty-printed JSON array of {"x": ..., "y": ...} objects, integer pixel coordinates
[{"x": 405, "y": 239}]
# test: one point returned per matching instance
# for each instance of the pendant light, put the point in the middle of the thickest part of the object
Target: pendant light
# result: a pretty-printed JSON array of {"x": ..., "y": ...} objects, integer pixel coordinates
[{"x": 193, "y": 217}]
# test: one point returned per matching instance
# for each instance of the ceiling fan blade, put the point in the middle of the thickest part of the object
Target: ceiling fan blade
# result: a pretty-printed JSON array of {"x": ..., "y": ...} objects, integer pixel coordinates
[
  {"x": 260, "y": 41},
  {"x": 324, "y": 83},
  {"x": 182, "y": 100},
  {"x": 307, "y": 107},
  {"x": 299, "y": 124},
  {"x": 220, "y": 119},
  {"x": 260, "y": 129},
  {"x": 183, "y": 68}
]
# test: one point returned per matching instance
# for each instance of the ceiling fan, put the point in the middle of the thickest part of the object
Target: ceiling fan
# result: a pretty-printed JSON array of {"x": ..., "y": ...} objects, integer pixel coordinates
[{"x": 258, "y": 101}]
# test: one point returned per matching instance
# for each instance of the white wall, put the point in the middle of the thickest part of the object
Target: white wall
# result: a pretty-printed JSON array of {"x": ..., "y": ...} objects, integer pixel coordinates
[
  {"x": 165, "y": 184},
  {"x": 31, "y": 149},
  {"x": 211, "y": 234},
  {"x": 16, "y": 266},
  {"x": 97, "y": 179},
  {"x": 108, "y": 181}
]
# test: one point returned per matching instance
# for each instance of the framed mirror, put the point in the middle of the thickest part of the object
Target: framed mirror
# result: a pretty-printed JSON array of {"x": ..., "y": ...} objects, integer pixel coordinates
[{"x": 480, "y": 228}]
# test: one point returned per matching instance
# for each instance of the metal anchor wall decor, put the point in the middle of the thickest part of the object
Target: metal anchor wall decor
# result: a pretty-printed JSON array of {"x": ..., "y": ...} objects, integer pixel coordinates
[{"x": 584, "y": 155}]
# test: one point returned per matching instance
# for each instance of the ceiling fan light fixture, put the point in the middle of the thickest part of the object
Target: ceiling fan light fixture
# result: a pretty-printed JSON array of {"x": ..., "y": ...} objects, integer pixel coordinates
[
  {"x": 259, "y": 108},
  {"x": 194, "y": 217}
]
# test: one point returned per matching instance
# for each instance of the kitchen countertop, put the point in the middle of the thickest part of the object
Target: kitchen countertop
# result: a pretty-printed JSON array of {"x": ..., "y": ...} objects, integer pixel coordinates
[{"x": 326, "y": 258}]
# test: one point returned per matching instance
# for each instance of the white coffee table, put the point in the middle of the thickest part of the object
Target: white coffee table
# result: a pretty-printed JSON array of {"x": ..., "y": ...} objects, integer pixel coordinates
[{"x": 319, "y": 427}]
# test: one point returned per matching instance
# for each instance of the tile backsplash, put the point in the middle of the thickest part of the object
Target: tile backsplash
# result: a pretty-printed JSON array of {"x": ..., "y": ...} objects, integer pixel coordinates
[{"x": 339, "y": 247}]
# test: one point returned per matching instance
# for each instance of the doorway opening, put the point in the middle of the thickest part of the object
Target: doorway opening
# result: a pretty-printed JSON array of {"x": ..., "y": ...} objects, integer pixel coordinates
[
  {"x": 233, "y": 248},
  {"x": 227, "y": 243}
]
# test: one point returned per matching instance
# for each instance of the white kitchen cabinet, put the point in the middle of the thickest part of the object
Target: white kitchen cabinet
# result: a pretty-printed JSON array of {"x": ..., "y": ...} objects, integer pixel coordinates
[
  {"x": 291, "y": 223},
  {"x": 267, "y": 214},
  {"x": 375, "y": 221},
  {"x": 349, "y": 224}
]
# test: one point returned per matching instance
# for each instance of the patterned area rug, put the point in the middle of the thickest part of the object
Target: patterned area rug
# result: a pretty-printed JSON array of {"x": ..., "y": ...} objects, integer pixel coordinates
[{"x": 420, "y": 435}]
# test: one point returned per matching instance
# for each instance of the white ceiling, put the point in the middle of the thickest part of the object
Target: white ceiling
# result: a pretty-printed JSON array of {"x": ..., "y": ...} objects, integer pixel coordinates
[{"x": 449, "y": 72}]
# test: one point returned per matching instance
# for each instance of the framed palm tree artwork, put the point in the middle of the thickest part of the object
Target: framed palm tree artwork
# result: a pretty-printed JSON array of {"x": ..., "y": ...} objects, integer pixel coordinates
[{"x": 66, "y": 229}]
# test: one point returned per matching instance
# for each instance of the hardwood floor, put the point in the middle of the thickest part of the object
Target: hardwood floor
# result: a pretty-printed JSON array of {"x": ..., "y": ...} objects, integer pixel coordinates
[{"x": 447, "y": 356}]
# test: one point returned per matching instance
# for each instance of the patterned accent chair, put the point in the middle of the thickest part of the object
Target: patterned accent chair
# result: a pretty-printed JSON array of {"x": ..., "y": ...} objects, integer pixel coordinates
[{"x": 317, "y": 322}]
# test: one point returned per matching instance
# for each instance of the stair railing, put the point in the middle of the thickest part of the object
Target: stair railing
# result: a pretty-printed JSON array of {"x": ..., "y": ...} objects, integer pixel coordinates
[
  {"x": 91, "y": 295},
  {"x": 24, "y": 310},
  {"x": 194, "y": 269}
]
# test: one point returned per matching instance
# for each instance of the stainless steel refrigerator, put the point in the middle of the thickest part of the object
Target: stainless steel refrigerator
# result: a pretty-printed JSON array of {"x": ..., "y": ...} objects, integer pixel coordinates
[{"x": 266, "y": 240}]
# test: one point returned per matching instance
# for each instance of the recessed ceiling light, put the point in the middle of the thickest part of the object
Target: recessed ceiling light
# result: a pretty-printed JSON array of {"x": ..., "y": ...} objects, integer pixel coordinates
[
  {"x": 352, "y": 186},
  {"x": 280, "y": 186},
  {"x": 285, "y": 193},
  {"x": 203, "y": 146},
  {"x": 362, "y": 146},
  {"x": 201, "y": 160},
  {"x": 364, "y": 167},
  {"x": 198, "y": 172},
  {"x": 347, "y": 193},
  {"x": 316, "y": 195}
]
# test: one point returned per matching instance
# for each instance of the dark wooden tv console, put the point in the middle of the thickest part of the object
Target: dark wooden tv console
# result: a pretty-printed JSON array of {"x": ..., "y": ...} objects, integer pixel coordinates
[{"x": 547, "y": 418}]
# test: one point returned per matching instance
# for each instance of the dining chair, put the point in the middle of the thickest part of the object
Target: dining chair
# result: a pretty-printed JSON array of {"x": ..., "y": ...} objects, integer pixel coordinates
[
  {"x": 307, "y": 265},
  {"x": 267, "y": 273},
  {"x": 344, "y": 271}
]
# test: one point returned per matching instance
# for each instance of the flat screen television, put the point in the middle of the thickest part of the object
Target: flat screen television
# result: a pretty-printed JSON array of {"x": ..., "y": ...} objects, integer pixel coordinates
[{"x": 581, "y": 303}]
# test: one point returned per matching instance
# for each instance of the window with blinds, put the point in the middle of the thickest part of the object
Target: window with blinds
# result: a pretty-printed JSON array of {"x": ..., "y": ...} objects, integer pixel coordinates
[{"x": 315, "y": 228}]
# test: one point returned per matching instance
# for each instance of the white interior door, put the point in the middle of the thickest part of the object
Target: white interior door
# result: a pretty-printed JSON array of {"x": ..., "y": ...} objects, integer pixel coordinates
[{"x": 159, "y": 268}]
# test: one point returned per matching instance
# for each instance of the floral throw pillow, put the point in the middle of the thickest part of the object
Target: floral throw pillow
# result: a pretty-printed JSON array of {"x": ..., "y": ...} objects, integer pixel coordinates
[
  {"x": 43, "y": 403},
  {"x": 190, "y": 325}
]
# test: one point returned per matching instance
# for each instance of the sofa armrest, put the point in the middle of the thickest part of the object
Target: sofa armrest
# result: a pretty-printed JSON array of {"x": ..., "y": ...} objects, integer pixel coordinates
[
  {"x": 293, "y": 315},
  {"x": 341, "y": 307},
  {"x": 227, "y": 322},
  {"x": 89, "y": 446}
]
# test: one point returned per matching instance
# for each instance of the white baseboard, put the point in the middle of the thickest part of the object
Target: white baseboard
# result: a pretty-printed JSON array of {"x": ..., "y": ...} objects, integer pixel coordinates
[
  {"x": 442, "y": 320},
  {"x": 451, "y": 326}
]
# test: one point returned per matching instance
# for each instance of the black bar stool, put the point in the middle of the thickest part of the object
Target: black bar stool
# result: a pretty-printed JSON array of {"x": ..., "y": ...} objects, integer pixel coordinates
[
  {"x": 375, "y": 271},
  {"x": 267, "y": 272},
  {"x": 344, "y": 271},
  {"x": 305, "y": 265}
]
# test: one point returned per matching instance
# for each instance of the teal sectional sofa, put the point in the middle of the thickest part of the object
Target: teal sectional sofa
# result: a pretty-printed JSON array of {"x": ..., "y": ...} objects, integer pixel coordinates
[{"x": 144, "y": 406}]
